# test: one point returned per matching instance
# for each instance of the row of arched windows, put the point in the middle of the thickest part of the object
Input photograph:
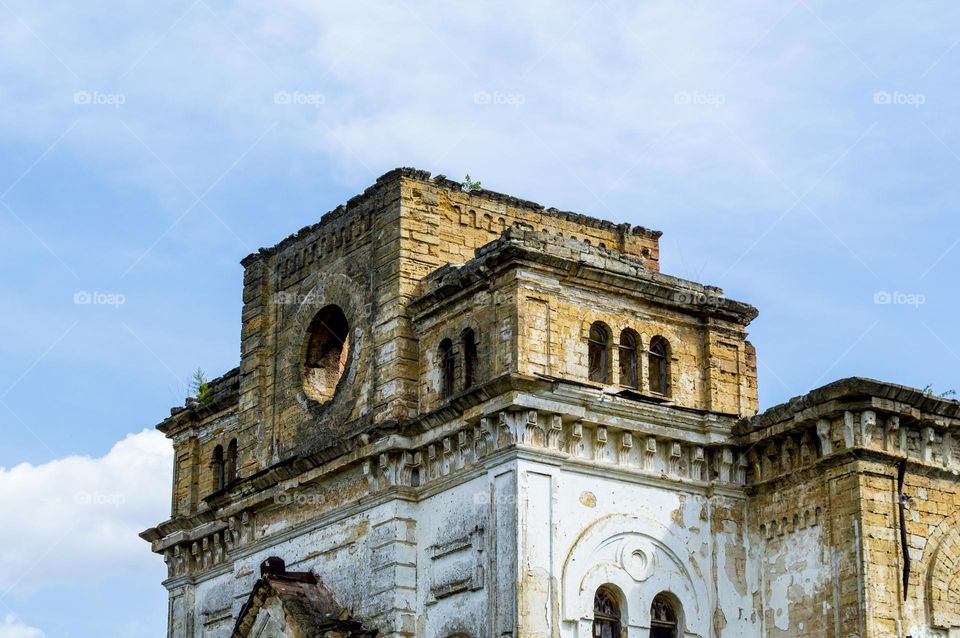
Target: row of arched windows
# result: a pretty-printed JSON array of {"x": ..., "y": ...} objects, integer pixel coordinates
[
  {"x": 599, "y": 350},
  {"x": 224, "y": 465},
  {"x": 452, "y": 378},
  {"x": 608, "y": 619}
]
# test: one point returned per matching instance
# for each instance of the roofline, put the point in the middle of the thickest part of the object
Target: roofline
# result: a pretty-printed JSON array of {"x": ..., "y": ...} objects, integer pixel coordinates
[
  {"x": 514, "y": 246},
  {"x": 853, "y": 388},
  {"x": 442, "y": 181}
]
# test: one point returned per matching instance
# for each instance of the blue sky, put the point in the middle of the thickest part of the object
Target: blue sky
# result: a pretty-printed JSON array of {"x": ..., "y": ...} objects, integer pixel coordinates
[{"x": 801, "y": 155}]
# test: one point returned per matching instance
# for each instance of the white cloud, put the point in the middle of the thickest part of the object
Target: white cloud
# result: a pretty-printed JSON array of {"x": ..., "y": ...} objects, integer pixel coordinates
[
  {"x": 77, "y": 518},
  {"x": 13, "y": 628}
]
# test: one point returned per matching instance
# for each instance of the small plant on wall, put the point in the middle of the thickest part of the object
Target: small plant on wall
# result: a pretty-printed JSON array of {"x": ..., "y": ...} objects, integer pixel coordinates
[
  {"x": 200, "y": 386},
  {"x": 470, "y": 185}
]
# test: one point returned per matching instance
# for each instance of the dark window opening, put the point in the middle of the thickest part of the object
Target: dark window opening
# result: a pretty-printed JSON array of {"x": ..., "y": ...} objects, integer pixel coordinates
[
  {"x": 448, "y": 368},
  {"x": 628, "y": 359},
  {"x": 469, "y": 358},
  {"x": 606, "y": 614},
  {"x": 328, "y": 346},
  {"x": 663, "y": 618},
  {"x": 659, "y": 359},
  {"x": 599, "y": 353}
]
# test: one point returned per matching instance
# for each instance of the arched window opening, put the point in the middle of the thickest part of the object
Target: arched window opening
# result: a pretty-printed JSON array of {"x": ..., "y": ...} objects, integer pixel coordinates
[
  {"x": 663, "y": 618},
  {"x": 599, "y": 353},
  {"x": 231, "y": 463},
  {"x": 448, "y": 368},
  {"x": 606, "y": 614},
  {"x": 469, "y": 358},
  {"x": 628, "y": 359},
  {"x": 659, "y": 357},
  {"x": 219, "y": 469},
  {"x": 327, "y": 349}
]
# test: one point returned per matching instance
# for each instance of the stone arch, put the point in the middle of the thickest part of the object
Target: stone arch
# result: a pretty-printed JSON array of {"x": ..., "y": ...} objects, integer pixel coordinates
[
  {"x": 331, "y": 290},
  {"x": 941, "y": 569},
  {"x": 639, "y": 557}
]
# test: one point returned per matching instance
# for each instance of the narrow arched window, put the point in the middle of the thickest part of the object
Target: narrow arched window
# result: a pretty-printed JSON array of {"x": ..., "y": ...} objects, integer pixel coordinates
[
  {"x": 231, "y": 463},
  {"x": 659, "y": 359},
  {"x": 663, "y": 618},
  {"x": 448, "y": 368},
  {"x": 469, "y": 339},
  {"x": 628, "y": 359},
  {"x": 606, "y": 614},
  {"x": 218, "y": 468},
  {"x": 599, "y": 353}
]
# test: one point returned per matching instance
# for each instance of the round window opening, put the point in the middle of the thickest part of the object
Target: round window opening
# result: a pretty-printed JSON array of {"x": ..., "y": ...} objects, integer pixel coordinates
[{"x": 327, "y": 350}]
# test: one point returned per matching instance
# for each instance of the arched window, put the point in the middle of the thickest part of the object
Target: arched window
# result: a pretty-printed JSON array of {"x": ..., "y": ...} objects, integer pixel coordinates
[
  {"x": 219, "y": 469},
  {"x": 663, "y": 618},
  {"x": 659, "y": 359},
  {"x": 599, "y": 353},
  {"x": 327, "y": 349},
  {"x": 448, "y": 368},
  {"x": 469, "y": 339},
  {"x": 606, "y": 614},
  {"x": 231, "y": 463},
  {"x": 628, "y": 359}
]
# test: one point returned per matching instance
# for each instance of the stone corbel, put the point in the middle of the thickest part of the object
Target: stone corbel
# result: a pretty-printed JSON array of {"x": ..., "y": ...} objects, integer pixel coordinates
[
  {"x": 849, "y": 433},
  {"x": 788, "y": 454},
  {"x": 725, "y": 465},
  {"x": 530, "y": 427},
  {"x": 824, "y": 433},
  {"x": 948, "y": 459},
  {"x": 479, "y": 440},
  {"x": 807, "y": 451},
  {"x": 504, "y": 435},
  {"x": 927, "y": 437},
  {"x": 599, "y": 443},
  {"x": 464, "y": 457},
  {"x": 448, "y": 460},
  {"x": 386, "y": 466},
  {"x": 553, "y": 434},
  {"x": 626, "y": 444},
  {"x": 575, "y": 443},
  {"x": 433, "y": 462},
  {"x": 649, "y": 453},
  {"x": 868, "y": 423},
  {"x": 371, "y": 475},
  {"x": 891, "y": 434},
  {"x": 676, "y": 455},
  {"x": 770, "y": 460},
  {"x": 697, "y": 462}
]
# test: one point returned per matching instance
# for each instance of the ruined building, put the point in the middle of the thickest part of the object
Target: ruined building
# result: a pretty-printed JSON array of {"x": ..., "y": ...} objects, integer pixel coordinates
[{"x": 460, "y": 414}]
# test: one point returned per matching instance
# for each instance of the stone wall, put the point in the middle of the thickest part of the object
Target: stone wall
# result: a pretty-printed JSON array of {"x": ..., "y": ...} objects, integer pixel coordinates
[{"x": 834, "y": 466}]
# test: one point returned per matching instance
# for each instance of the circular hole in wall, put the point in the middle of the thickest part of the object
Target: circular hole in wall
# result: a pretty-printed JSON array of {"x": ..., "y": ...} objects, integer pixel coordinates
[{"x": 327, "y": 352}]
